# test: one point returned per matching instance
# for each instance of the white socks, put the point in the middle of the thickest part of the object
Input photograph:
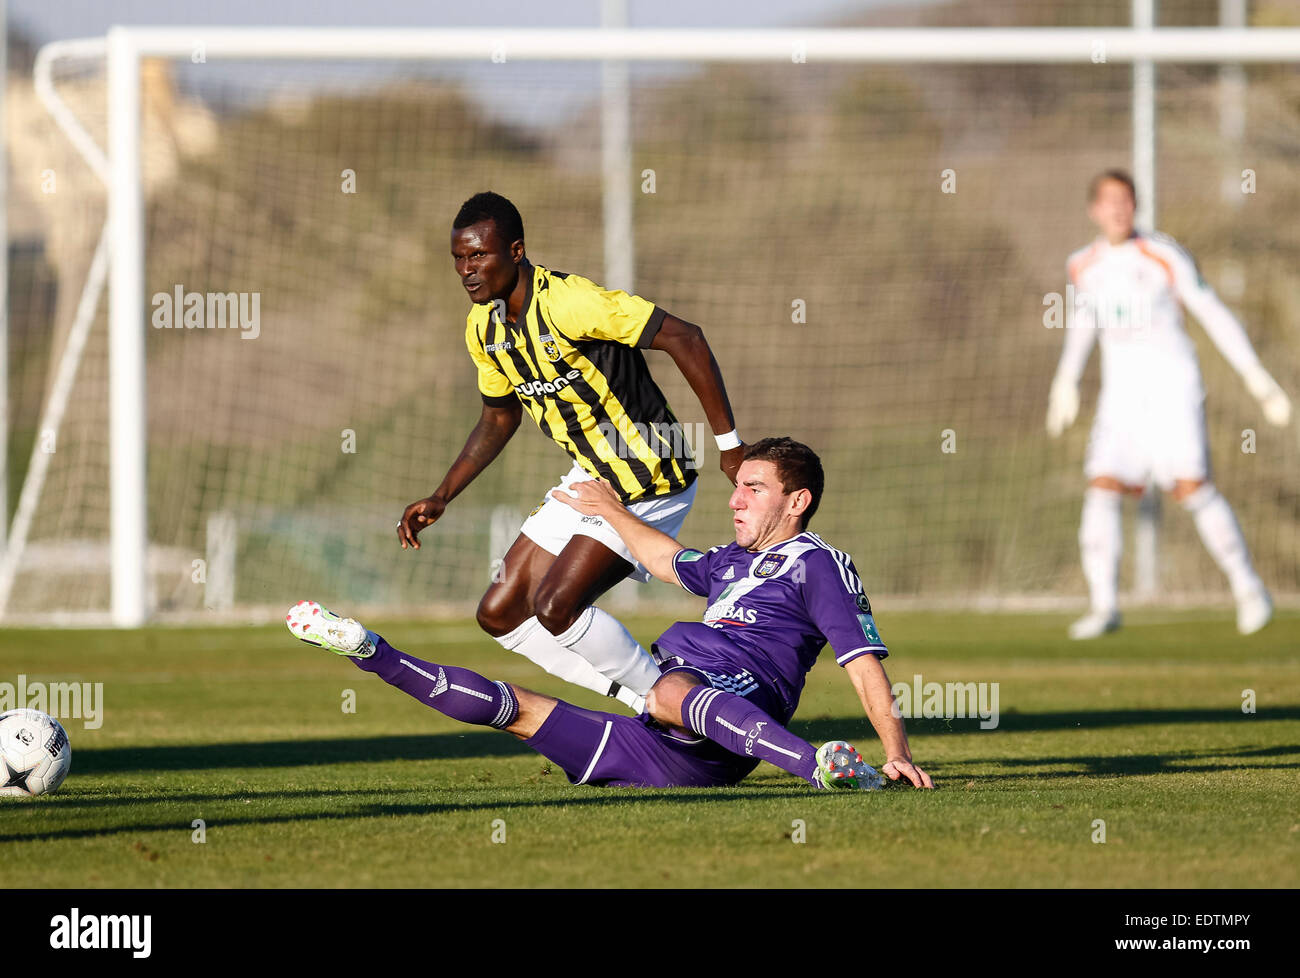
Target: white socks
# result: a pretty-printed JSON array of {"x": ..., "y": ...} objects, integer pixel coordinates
[
  {"x": 1222, "y": 538},
  {"x": 1101, "y": 541},
  {"x": 536, "y": 644},
  {"x": 596, "y": 653},
  {"x": 600, "y": 639}
]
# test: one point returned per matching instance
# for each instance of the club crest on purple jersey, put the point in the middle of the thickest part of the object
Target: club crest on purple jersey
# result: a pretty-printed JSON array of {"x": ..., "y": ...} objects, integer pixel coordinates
[{"x": 769, "y": 565}]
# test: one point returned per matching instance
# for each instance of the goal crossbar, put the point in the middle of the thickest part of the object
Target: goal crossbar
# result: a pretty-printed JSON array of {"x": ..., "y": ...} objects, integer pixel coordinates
[{"x": 1026, "y": 45}]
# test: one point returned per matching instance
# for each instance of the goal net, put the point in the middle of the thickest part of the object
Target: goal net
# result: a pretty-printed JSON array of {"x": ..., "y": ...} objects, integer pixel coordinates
[{"x": 868, "y": 247}]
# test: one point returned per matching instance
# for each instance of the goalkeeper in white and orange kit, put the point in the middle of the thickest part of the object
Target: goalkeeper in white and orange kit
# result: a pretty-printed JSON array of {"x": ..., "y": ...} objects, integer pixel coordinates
[{"x": 1129, "y": 292}]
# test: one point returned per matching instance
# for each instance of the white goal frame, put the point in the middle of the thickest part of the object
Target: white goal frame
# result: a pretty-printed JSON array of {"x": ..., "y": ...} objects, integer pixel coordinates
[{"x": 124, "y": 47}]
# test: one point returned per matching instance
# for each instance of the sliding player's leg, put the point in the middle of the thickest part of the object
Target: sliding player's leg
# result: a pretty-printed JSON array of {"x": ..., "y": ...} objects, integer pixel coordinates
[
  {"x": 1222, "y": 536},
  {"x": 459, "y": 693},
  {"x": 1101, "y": 543},
  {"x": 590, "y": 747},
  {"x": 684, "y": 699},
  {"x": 506, "y": 612}
]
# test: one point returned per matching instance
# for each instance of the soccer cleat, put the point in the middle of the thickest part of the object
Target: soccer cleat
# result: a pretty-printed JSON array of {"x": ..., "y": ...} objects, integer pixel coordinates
[
  {"x": 841, "y": 767},
  {"x": 317, "y": 626},
  {"x": 1094, "y": 624},
  {"x": 1254, "y": 611}
]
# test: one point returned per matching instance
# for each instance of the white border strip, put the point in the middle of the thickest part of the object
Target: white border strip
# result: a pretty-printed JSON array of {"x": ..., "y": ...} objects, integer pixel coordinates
[{"x": 609, "y": 724}]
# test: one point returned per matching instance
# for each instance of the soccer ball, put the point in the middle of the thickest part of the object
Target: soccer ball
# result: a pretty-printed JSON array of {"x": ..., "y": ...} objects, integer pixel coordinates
[{"x": 34, "y": 753}]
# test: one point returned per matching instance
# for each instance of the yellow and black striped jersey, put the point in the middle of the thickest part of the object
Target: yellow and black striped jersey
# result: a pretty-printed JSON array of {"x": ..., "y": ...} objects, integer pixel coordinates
[{"x": 574, "y": 361}]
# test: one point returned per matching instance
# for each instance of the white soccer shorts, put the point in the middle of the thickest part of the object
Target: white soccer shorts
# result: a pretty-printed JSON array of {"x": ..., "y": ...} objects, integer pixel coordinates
[
  {"x": 1154, "y": 439},
  {"x": 553, "y": 524}
]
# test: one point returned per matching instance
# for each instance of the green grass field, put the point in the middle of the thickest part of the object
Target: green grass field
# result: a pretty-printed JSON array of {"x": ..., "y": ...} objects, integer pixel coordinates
[{"x": 244, "y": 729}]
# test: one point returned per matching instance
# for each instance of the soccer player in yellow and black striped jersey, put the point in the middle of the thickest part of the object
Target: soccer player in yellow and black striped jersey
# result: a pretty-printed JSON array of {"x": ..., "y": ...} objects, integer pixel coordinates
[
  {"x": 573, "y": 361},
  {"x": 569, "y": 353}
]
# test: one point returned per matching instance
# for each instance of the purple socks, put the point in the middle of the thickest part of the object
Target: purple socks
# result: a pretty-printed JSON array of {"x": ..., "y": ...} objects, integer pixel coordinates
[
  {"x": 461, "y": 694},
  {"x": 744, "y": 729}
]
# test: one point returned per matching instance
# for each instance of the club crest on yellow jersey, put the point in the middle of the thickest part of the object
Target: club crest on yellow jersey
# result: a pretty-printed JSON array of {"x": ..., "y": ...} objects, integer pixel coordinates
[{"x": 550, "y": 348}]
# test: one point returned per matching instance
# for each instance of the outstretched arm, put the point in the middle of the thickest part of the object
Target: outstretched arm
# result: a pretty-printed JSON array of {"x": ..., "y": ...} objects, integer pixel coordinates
[
  {"x": 495, "y": 427},
  {"x": 655, "y": 550},
  {"x": 1080, "y": 336},
  {"x": 1229, "y": 336},
  {"x": 685, "y": 343},
  {"x": 869, "y": 679}
]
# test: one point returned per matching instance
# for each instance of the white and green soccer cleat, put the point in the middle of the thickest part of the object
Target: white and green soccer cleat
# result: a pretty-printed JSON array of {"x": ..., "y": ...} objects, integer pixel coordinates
[
  {"x": 318, "y": 626},
  {"x": 840, "y": 766}
]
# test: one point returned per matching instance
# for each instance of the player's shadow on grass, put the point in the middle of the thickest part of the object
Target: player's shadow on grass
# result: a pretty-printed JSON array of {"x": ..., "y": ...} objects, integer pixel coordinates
[
  {"x": 1010, "y": 721},
  {"x": 490, "y": 743},
  {"x": 1117, "y": 765},
  {"x": 1228, "y": 758},
  {"x": 111, "y": 798},
  {"x": 595, "y": 797},
  {"x": 297, "y": 753}
]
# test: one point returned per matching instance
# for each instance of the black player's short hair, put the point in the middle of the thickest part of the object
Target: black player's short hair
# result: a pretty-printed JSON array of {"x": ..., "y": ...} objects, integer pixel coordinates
[
  {"x": 489, "y": 206},
  {"x": 797, "y": 466},
  {"x": 1119, "y": 176}
]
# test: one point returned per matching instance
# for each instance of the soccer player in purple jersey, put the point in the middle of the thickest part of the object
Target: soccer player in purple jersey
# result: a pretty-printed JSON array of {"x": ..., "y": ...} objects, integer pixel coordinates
[{"x": 729, "y": 684}]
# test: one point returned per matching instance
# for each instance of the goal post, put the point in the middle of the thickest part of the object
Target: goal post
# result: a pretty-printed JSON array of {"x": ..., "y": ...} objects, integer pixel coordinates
[
  {"x": 124, "y": 49},
  {"x": 128, "y": 487}
]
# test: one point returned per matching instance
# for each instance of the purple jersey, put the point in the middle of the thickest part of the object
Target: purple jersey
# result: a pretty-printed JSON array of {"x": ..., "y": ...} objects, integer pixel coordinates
[{"x": 777, "y": 607}]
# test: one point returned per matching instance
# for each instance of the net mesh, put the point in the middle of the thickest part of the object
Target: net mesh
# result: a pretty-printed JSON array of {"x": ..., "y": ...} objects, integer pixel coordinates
[{"x": 801, "y": 214}]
